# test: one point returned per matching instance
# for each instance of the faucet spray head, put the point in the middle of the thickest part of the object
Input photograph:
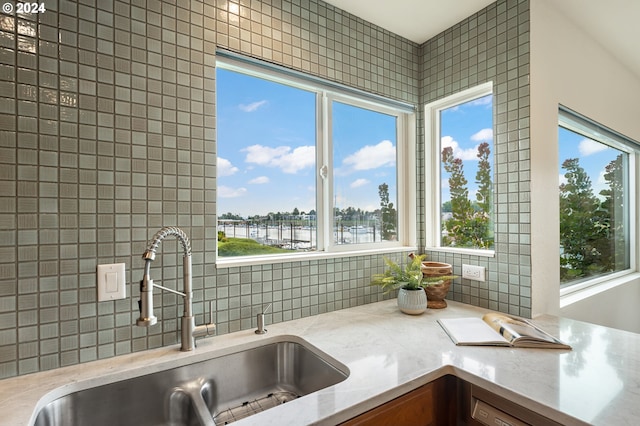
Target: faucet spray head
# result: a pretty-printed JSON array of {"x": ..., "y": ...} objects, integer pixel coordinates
[{"x": 145, "y": 304}]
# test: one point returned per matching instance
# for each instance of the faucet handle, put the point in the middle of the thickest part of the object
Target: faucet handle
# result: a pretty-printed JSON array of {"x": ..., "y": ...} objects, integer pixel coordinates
[{"x": 204, "y": 330}]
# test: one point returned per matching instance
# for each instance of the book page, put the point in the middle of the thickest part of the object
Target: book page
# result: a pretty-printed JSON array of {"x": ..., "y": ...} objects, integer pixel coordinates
[
  {"x": 471, "y": 331},
  {"x": 500, "y": 323},
  {"x": 513, "y": 329}
]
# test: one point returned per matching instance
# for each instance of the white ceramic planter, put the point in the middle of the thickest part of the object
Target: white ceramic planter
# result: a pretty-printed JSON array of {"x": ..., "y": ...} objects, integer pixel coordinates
[{"x": 412, "y": 302}]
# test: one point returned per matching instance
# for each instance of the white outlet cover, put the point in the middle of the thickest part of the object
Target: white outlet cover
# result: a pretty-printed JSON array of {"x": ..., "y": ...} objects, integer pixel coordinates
[
  {"x": 473, "y": 272},
  {"x": 111, "y": 282}
]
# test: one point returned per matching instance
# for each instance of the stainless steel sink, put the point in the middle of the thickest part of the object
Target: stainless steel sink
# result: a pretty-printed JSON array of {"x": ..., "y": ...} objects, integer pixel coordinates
[{"x": 216, "y": 391}]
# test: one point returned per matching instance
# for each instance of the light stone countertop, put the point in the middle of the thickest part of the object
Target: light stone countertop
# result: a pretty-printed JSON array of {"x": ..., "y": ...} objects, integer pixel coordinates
[{"x": 388, "y": 354}]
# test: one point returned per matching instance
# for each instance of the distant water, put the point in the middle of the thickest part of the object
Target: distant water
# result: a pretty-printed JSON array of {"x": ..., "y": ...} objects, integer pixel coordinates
[{"x": 299, "y": 237}]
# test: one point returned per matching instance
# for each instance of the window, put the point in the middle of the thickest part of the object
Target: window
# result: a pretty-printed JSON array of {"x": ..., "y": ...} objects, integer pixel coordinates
[
  {"x": 307, "y": 166},
  {"x": 595, "y": 187},
  {"x": 460, "y": 200},
  {"x": 365, "y": 175}
]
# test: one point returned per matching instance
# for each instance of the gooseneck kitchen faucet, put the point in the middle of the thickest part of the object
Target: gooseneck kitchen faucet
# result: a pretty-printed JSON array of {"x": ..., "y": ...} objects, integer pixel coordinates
[{"x": 189, "y": 332}]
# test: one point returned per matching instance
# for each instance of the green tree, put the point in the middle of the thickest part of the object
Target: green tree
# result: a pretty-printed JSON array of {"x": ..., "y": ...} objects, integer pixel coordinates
[
  {"x": 231, "y": 216},
  {"x": 469, "y": 225},
  {"x": 484, "y": 197},
  {"x": 584, "y": 225},
  {"x": 613, "y": 204},
  {"x": 389, "y": 216},
  {"x": 483, "y": 178}
]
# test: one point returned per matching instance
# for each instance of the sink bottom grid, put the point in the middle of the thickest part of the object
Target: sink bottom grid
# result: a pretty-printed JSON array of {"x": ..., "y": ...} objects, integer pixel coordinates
[{"x": 249, "y": 408}]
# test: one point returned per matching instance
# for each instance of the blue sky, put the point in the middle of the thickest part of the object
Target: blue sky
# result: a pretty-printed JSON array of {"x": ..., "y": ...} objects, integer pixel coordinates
[
  {"x": 593, "y": 157},
  {"x": 266, "y": 149},
  {"x": 364, "y": 150},
  {"x": 463, "y": 127}
]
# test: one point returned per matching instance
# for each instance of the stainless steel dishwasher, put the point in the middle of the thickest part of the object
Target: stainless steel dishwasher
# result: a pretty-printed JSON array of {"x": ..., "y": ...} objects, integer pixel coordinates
[{"x": 479, "y": 407}]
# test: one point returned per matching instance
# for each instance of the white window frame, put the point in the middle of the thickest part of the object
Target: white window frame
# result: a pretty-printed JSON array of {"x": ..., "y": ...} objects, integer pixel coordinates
[
  {"x": 579, "y": 124},
  {"x": 433, "y": 181},
  {"x": 326, "y": 93}
]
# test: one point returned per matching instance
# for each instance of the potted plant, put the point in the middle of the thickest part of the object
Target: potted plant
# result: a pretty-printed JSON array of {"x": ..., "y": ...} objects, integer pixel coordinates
[{"x": 410, "y": 281}]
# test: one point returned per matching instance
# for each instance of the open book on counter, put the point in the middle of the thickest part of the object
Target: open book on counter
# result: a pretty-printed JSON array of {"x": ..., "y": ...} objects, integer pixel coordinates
[{"x": 496, "y": 329}]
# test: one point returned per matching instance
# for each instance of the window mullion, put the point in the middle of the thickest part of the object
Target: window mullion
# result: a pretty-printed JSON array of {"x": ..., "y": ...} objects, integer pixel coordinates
[
  {"x": 432, "y": 175},
  {"x": 405, "y": 126},
  {"x": 325, "y": 172},
  {"x": 632, "y": 220}
]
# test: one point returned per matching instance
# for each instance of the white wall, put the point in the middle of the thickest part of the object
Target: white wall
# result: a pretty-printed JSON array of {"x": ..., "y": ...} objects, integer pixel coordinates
[
  {"x": 570, "y": 68},
  {"x": 616, "y": 306}
]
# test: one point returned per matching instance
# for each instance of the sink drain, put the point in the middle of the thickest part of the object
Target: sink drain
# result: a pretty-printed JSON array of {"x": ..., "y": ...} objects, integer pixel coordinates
[{"x": 249, "y": 408}]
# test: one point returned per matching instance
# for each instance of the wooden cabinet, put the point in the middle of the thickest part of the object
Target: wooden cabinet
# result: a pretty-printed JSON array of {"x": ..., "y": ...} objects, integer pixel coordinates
[{"x": 433, "y": 404}]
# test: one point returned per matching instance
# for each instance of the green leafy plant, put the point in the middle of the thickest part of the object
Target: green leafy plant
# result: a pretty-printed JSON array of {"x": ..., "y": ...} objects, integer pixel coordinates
[{"x": 409, "y": 278}]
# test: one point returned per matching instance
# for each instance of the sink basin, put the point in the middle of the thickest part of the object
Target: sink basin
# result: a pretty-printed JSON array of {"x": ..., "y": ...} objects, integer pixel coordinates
[{"x": 216, "y": 391}]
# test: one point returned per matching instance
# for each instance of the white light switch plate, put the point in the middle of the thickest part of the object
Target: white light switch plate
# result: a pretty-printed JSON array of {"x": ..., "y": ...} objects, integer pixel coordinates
[{"x": 111, "y": 282}]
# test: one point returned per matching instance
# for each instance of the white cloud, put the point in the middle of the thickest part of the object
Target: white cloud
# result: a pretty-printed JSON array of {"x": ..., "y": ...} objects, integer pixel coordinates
[
  {"x": 485, "y": 100},
  {"x": 589, "y": 146},
  {"x": 263, "y": 155},
  {"x": 562, "y": 179},
  {"x": 601, "y": 180},
  {"x": 358, "y": 183},
  {"x": 301, "y": 158},
  {"x": 469, "y": 154},
  {"x": 448, "y": 141},
  {"x": 228, "y": 192},
  {"x": 600, "y": 184},
  {"x": 282, "y": 157},
  {"x": 259, "y": 180},
  {"x": 484, "y": 135},
  {"x": 252, "y": 106},
  {"x": 372, "y": 156},
  {"x": 225, "y": 168}
]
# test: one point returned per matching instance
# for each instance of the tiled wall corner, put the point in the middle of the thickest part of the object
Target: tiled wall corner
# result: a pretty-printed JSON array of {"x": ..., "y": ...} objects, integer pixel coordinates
[
  {"x": 107, "y": 133},
  {"x": 491, "y": 45}
]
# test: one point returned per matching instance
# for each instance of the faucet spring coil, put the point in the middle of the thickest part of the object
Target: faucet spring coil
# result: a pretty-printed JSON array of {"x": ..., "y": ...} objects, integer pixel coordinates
[{"x": 150, "y": 253}]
